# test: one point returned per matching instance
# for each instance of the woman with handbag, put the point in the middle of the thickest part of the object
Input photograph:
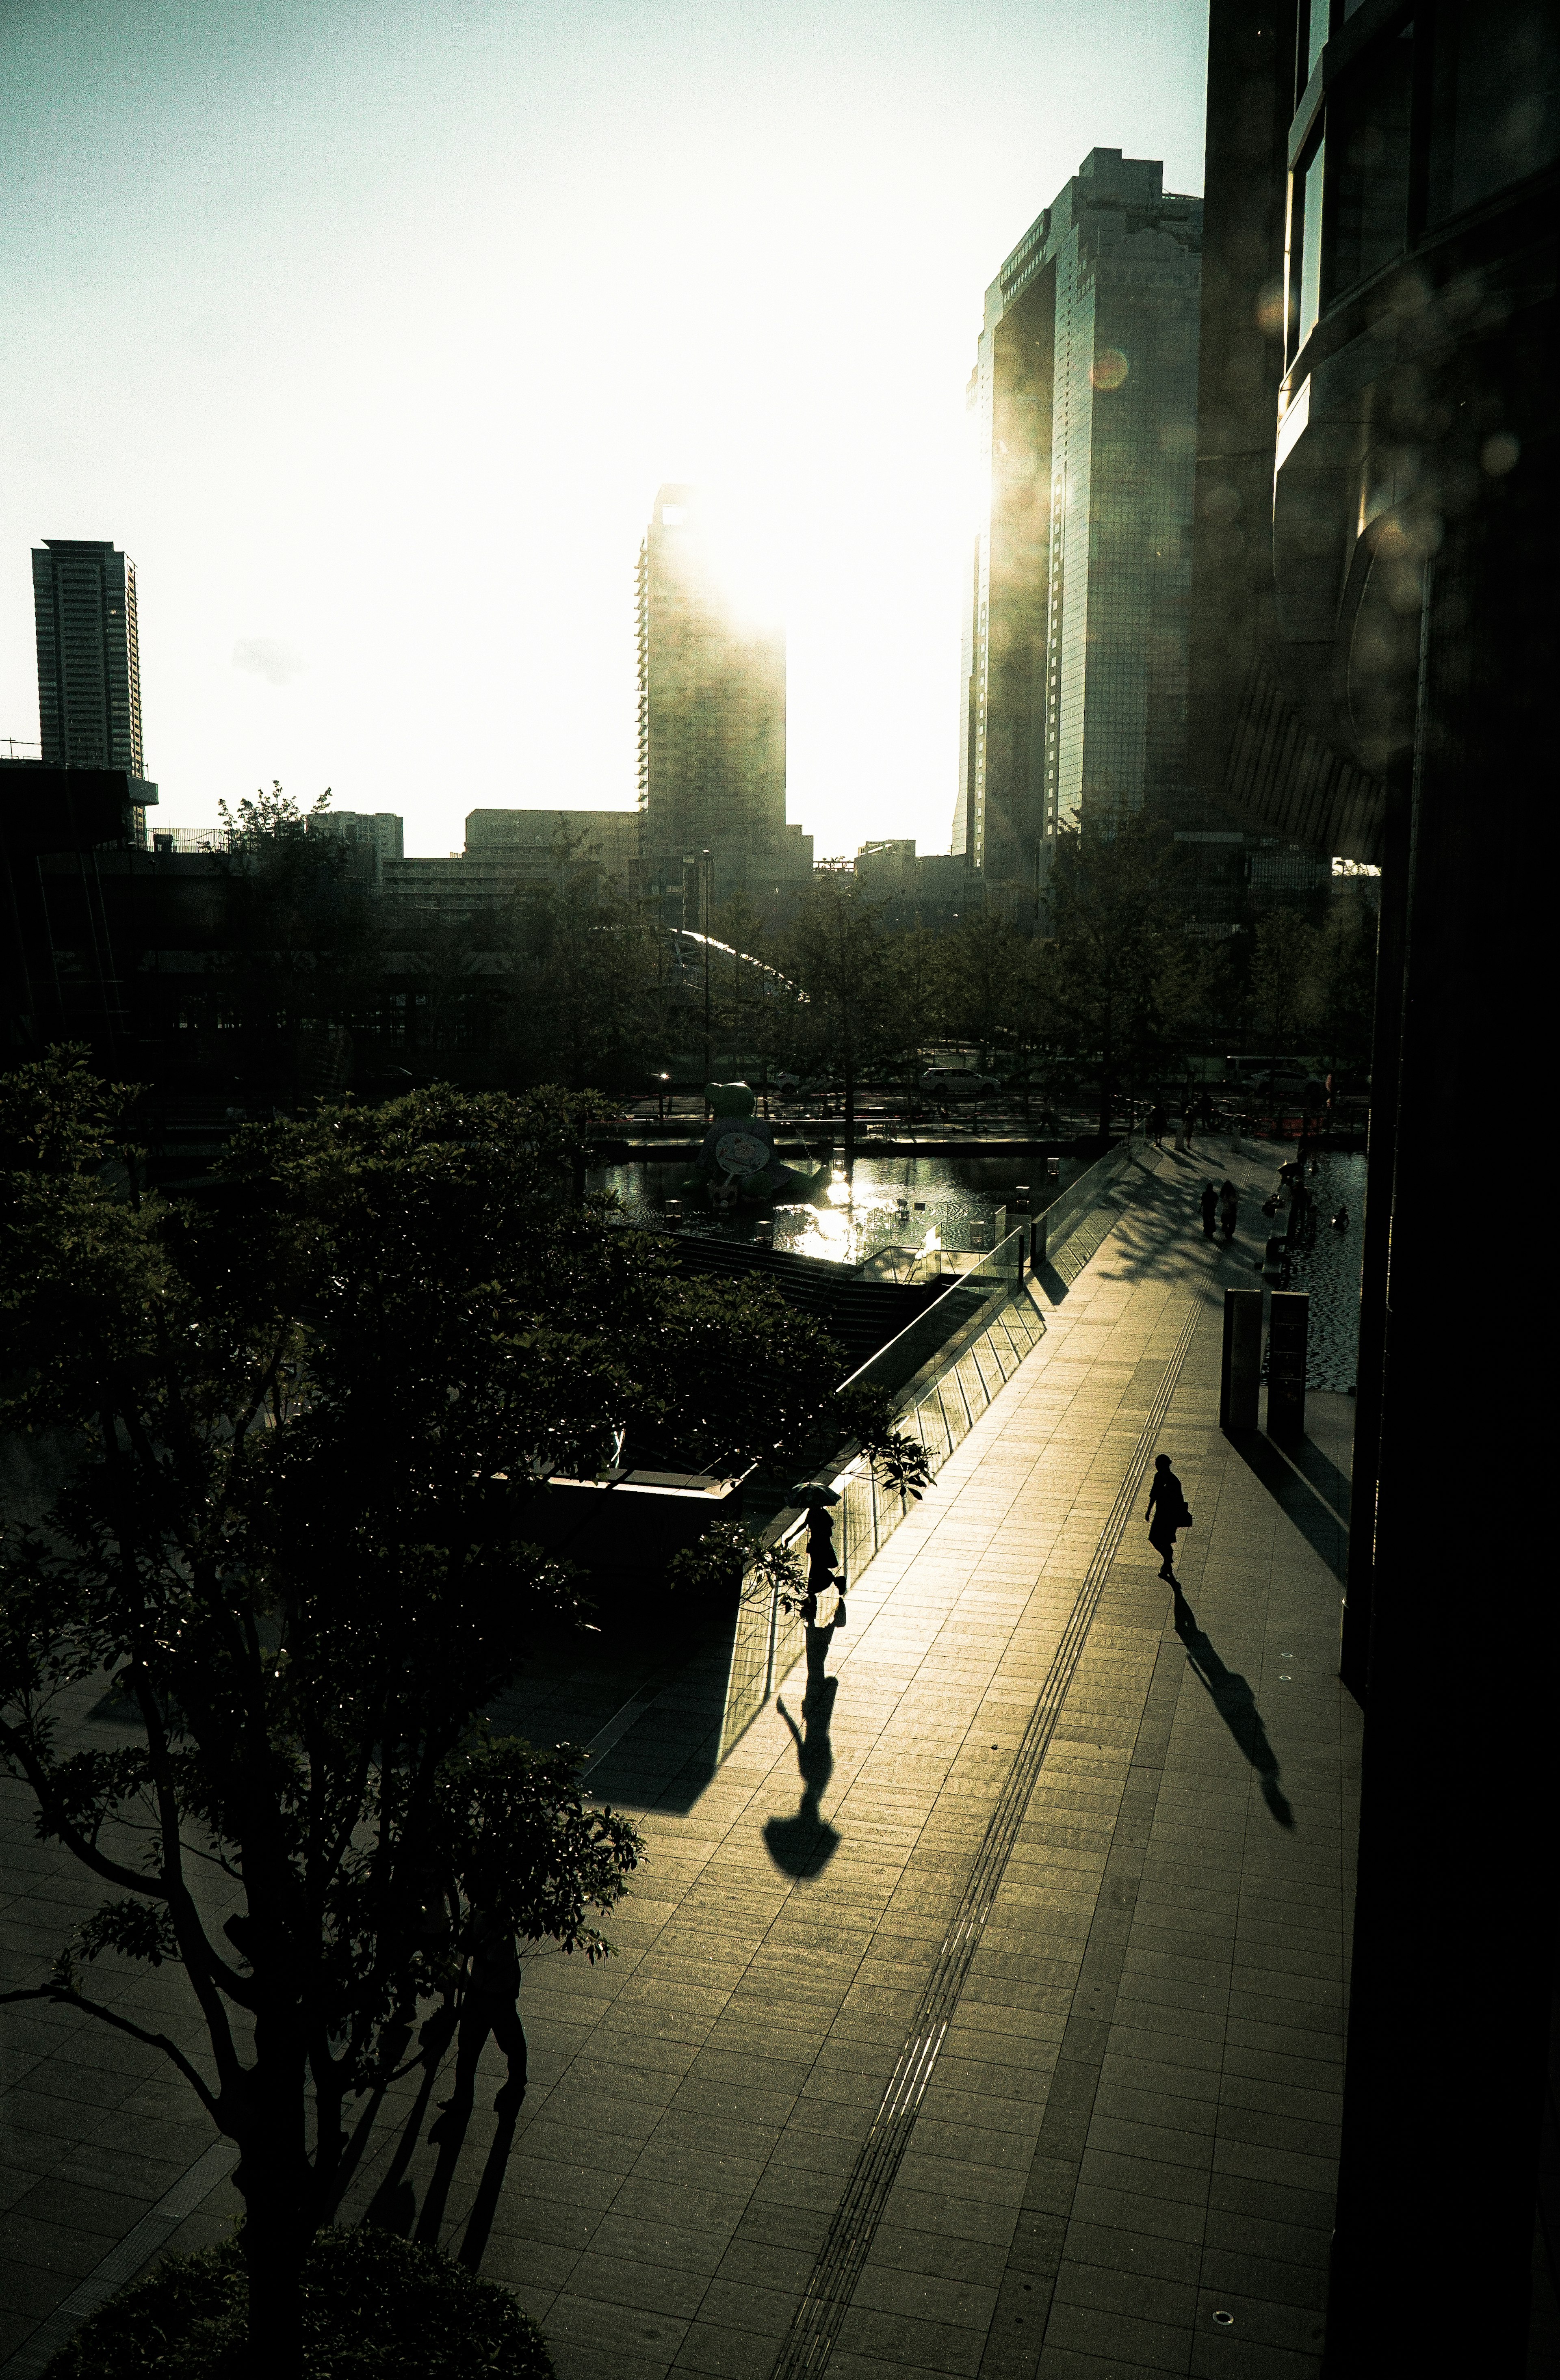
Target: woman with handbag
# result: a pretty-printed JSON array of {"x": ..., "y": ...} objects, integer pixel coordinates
[{"x": 1168, "y": 1510}]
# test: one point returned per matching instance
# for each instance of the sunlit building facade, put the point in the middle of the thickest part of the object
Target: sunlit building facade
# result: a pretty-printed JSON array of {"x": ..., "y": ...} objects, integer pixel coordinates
[
  {"x": 1085, "y": 392},
  {"x": 711, "y": 773}
]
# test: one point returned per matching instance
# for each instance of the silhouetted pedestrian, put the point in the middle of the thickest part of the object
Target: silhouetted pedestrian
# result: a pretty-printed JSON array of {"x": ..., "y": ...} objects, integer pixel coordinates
[
  {"x": 1229, "y": 1210},
  {"x": 1167, "y": 1512},
  {"x": 1157, "y": 1121},
  {"x": 1210, "y": 1204},
  {"x": 492, "y": 2004}
]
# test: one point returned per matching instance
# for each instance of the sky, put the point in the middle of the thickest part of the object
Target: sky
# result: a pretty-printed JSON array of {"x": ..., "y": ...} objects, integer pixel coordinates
[{"x": 369, "y": 331}]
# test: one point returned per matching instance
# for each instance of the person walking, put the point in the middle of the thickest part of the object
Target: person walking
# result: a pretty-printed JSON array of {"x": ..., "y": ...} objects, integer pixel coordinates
[
  {"x": 492, "y": 2004},
  {"x": 1167, "y": 1512},
  {"x": 1157, "y": 1121},
  {"x": 826, "y": 1588},
  {"x": 1229, "y": 1210},
  {"x": 1210, "y": 1206}
]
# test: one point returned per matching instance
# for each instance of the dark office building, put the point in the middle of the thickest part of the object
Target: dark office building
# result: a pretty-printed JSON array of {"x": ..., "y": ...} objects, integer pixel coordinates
[
  {"x": 1373, "y": 672},
  {"x": 89, "y": 655}
]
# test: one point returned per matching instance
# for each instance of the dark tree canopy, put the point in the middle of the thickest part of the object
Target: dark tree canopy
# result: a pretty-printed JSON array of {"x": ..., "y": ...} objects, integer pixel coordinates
[{"x": 312, "y": 1418}]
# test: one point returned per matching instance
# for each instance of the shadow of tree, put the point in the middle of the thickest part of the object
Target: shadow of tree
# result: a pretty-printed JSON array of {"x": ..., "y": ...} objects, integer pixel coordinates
[{"x": 1235, "y": 1704}]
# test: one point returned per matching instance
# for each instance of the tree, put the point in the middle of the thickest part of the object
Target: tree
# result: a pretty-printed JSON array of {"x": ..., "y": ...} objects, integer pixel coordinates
[
  {"x": 1345, "y": 980},
  {"x": 312, "y": 1421},
  {"x": 835, "y": 952},
  {"x": 580, "y": 977},
  {"x": 917, "y": 997},
  {"x": 301, "y": 956},
  {"x": 1285, "y": 966},
  {"x": 1124, "y": 977}
]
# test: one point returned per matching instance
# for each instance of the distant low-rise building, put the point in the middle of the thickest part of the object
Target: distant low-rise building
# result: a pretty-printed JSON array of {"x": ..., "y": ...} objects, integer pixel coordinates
[{"x": 926, "y": 889}]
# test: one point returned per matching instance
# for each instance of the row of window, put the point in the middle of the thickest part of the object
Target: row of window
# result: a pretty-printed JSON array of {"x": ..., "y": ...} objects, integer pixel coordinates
[{"x": 1445, "y": 106}]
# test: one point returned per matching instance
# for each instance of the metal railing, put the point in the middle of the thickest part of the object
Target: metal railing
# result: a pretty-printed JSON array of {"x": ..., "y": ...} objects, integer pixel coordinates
[{"x": 943, "y": 1400}]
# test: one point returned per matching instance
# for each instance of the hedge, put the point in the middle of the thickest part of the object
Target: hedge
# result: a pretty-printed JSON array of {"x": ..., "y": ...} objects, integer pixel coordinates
[{"x": 375, "y": 2307}]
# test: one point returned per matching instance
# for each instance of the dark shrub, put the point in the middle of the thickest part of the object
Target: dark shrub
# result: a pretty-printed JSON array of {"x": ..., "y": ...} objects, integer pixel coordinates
[{"x": 375, "y": 2307}]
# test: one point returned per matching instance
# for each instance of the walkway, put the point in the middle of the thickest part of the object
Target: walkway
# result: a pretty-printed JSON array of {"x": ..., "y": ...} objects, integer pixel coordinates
[
  {"x": 984, "y": 2015},
  {"x": 1124, "y": 2129}
]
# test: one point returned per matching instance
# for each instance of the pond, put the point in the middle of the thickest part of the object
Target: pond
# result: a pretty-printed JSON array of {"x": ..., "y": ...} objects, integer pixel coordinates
[
  {"x": 914, "y": 1203},
  {"x": 1330, "y": 1269}
]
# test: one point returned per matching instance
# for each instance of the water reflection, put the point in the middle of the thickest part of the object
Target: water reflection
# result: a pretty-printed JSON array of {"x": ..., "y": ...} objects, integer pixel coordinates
[{"x": 913, "y": 1203}]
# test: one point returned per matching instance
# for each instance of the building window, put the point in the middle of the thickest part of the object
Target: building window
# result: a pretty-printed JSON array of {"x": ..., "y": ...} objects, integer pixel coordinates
[
  {"x": 1305, "y": 244},
  {"x": 1368, "y": 133}
]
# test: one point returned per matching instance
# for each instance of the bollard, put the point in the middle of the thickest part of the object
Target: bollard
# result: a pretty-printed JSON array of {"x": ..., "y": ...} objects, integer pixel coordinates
[
  {"x": 672, "y": 1210},
  {"x": 1241, "y": 1371},
  {"x": 1289, "y": 1331},
  {"x": 1036, "y": 1245},
  {"x": 1053, "y": 1169},
  {"x": 764, "y": 1232}
]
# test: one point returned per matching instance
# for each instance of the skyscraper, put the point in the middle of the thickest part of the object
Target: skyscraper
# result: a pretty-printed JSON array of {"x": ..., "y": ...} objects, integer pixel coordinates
[
  {"x": 1085, "y": 386},
  {"x": 712, "y": 713},
  {"x": 88, "y": 656}
]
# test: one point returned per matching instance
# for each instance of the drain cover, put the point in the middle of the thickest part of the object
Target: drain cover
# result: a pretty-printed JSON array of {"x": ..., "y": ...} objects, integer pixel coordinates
[{"x": 1227, "y": 2320}]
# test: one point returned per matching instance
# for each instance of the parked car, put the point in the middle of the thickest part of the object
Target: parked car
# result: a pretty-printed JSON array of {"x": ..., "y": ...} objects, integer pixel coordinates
[{"x": 943, "y": 1085}]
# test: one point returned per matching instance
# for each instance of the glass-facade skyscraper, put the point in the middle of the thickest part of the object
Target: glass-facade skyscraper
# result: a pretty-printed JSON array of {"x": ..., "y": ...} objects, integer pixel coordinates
[
  {"x": 712, "y": 714},
  {"x": 89, "y": 654},
  {"x": 1076, "y": 645}
]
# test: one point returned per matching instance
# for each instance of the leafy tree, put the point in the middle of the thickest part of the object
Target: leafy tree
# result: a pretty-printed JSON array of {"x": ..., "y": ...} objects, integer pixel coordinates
[
  {"x": 1285, "y": 967},
  {"x": 312, "y": 1421},
  {"x": 581, "y": 974},
  {"x": 301, "y": 946},
  {"x": 1124, "y": 979},
  {"x": 917, "y": 997},
  {"x": 978, "y": 994},
  {"x": 1344, "y": 986},
  {"x": 834, "y": 950}
]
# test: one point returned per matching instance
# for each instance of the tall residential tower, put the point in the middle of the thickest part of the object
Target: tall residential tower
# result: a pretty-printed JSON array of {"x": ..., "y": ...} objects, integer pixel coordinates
[
  {"x": 89, "y": 657},
  {"x": 1075, "y": 646},
  {"x": 712, "y": 715}
]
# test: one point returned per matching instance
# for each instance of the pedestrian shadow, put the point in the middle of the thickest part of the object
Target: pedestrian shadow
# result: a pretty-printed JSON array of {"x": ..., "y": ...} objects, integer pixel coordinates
[
  {"x": 1298, "y": 1499},
  {"x": 804, "y": 1845},
  {"x": 485, "y": 2206},
  {"x": 1235, "y": 1704}
]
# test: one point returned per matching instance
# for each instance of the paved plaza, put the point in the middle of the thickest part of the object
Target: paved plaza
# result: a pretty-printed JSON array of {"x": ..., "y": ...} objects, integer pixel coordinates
[{"x": 980, "y": 2012}]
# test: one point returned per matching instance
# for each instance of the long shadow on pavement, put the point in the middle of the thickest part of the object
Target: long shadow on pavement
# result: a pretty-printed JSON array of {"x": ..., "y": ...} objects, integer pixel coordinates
[
  {"x": 1236, "y": 1705},
  {"x": 804, "y": 1845},
  {"x": 1297, "y": 1498}
]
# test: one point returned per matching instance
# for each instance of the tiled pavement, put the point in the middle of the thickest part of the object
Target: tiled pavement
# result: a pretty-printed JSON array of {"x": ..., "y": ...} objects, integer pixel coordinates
[{"x": 1130, "y": 2128}]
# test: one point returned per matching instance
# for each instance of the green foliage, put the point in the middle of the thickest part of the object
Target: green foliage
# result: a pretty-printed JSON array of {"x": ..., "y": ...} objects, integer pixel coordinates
[
  {"x": 1286, "y": 969},
  {"x": 836, "y": 953},
  {"x": 1127, "y": 983},
  {"x": 300, "y": 950},
  {"x": 375, "y": 2307},
  {"x": 578, "y": 999},
  {"x": 726, "y": 1553},
  {"x": 315, "y": 1419}
]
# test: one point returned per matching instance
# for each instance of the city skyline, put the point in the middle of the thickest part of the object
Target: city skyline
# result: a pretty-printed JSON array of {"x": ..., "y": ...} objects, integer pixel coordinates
[{"x": 421, "y": 315}]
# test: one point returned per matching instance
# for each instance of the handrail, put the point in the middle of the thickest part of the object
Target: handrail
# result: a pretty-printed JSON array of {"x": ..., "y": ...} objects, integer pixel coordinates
[{"x": 1003, "y": 1265}]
